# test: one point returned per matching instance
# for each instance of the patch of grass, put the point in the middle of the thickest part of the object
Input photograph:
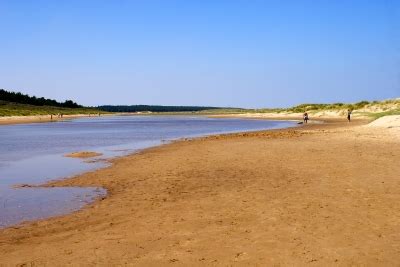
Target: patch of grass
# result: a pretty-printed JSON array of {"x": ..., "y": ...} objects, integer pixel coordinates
[
  {"x": 385, "y": 113},
  {"x": 321, "y": 107}
]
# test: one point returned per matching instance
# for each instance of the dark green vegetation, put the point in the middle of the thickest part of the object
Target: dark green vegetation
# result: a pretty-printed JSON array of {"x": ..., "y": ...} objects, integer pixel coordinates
[
  {"x": 15, "y": 109},
  {"x": 35, "y": 101},
  {"x": 18, "y": 104},
  {"x": 150, "y": 108}
]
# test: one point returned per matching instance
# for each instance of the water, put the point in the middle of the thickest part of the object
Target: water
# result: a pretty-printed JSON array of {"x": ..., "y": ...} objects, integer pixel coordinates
[{"x": 34, "y": 153}]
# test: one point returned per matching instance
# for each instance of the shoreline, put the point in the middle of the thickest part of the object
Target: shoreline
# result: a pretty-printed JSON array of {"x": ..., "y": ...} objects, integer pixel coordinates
[
  {"x": 10, "y": 120},
  {"x": 86, "y": 156},
  {"x": 63, "y": 181},
  {"x": 298, "y": 117},
  {"x": 295, "y": 117},
  {"x": 181, "y": 187}
]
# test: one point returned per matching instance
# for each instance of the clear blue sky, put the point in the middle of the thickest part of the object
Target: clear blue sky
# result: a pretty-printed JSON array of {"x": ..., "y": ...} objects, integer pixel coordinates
[{"x": 221, "y": 53}]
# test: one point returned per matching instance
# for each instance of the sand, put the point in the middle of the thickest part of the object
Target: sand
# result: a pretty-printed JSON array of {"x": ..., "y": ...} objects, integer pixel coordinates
[
  {"x": 390, "y": 125},
  {"x": 386, "y": 122},
  {"x": 320, "y": 194},
  {"x": 41, "y": 118},
  {"x": 83, "y": 154}
]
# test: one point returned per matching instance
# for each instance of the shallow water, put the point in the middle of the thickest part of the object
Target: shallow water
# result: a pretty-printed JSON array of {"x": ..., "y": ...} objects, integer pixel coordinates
[{"x": 33, "y": 154}]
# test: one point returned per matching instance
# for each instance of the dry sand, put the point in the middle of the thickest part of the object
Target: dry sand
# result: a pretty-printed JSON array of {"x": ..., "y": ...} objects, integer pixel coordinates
[
  {"x": 320, "y": 194},
  {"x": 42, "y": 118},
  {"x": 389, "y": 122}
]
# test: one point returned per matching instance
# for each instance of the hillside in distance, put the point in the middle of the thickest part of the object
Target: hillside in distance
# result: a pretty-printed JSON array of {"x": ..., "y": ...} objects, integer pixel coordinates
[
  {"x": 20, "y": 98},
  {"x": 19, "y": 104}
]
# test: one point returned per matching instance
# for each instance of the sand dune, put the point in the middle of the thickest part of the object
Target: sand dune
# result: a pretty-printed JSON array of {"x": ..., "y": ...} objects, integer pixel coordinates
[{"x": 386, "y": 122}]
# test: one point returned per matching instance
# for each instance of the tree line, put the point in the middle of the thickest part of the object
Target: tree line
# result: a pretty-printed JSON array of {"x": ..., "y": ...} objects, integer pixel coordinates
[
  {"x": 20, "y": 98},
  {"x": 150, "y": 108}
]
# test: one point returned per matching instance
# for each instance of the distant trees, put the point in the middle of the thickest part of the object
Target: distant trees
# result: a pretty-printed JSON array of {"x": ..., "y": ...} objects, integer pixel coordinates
[
  {"x": 143, "y": 108},
  {"x": 35, "y": 101},
  {"x": 70, "y": 104}
]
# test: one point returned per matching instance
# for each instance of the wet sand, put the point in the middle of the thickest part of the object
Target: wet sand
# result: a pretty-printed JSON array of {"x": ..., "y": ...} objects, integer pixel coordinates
[
  {"x": 320, "y": 194},
  {"x": 83, "y": 154}
]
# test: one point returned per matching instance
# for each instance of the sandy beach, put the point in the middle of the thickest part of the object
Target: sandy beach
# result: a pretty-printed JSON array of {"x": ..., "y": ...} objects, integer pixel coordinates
[
  {"x": 42, "y": 118},
  {"x": 321, "y": 194}
]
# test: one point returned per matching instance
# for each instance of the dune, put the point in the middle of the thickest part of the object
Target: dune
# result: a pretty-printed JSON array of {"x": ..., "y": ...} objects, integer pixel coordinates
[
  {"x": 388, "y": 127},
  {"x": 392, "y": 121}
]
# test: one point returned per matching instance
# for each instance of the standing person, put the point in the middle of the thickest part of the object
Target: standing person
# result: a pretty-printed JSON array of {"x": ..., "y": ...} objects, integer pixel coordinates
[
  {"x": 305, "y": 117},
  {"x": 348, "y": 115}
]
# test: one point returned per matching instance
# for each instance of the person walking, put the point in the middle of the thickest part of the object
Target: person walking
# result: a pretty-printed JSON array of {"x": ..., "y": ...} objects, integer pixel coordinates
[
  {"x": 305, "y": 117},
  {"x": 349, "y": 115}
]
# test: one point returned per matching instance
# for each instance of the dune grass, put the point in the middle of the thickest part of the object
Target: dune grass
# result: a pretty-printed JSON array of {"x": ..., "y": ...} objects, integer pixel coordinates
[
  {"x": 375, "y": 109},
  {"x": 386, "y": 113}
]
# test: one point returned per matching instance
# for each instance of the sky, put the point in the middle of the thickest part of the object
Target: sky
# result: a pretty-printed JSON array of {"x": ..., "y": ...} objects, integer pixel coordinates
[{"x": 230, "y": 53}]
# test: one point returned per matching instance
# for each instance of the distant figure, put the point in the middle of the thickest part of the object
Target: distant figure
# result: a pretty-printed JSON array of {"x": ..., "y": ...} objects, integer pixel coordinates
[
  {"x": 99, "y": 114},
  {"x": 349, "y": 115},
  {"x": 305, "y": 117},
  {"x": 51, "y": 116}
]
